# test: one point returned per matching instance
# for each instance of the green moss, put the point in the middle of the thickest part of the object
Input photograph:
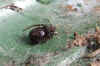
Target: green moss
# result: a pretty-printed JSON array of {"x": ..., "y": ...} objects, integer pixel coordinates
[
  {"x": 79, "y": 5},
  {"x": 45, "y": 1}
]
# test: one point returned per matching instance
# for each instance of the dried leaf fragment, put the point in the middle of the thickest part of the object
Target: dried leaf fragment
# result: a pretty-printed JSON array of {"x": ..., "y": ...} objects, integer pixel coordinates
[
  {"x": 95, "y": 63},
  {"x": 93, "y": 54},
  {"x": 97, "y": 8},
  {"x": 97, "y": 35},
  {"x": 79, "y": 40},
  {"x": 70, "y": 8}
]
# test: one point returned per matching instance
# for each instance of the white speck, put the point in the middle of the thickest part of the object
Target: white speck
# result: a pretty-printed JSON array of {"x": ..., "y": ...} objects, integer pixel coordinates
[{"x": 42, "y": 33}]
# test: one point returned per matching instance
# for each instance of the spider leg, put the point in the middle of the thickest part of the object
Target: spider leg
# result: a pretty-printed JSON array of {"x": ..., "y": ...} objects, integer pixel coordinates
[{"x": 40, "y": 25}]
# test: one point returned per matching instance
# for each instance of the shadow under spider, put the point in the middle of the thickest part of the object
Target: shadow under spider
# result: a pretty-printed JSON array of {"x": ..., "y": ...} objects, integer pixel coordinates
[{"x": 27, "y": 41}]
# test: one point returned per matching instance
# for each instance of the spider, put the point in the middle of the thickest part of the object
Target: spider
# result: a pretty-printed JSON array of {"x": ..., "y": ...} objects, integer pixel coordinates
[{"x": 41, "y": 33}]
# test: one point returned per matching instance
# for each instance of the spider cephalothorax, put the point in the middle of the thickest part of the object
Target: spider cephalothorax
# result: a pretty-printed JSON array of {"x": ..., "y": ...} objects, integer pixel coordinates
[{"x": 42, "y": 33}]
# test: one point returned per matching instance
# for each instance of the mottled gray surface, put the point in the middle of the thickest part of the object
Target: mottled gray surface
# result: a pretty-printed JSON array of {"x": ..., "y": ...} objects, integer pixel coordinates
[{"x": 14, "y": 45}]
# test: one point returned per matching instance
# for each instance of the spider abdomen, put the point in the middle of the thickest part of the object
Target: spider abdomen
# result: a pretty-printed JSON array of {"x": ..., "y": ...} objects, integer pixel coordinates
[{"x": 41, "y": 34}]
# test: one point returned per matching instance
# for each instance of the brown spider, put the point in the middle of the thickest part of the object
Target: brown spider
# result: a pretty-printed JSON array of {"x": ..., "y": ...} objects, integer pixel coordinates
[{"x": 41, "y": 33}]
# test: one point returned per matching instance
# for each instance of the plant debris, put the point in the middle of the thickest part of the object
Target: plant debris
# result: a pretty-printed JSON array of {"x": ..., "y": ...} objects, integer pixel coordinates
[
  {"x": 91, "y": 41},
  {"x": 93, "y": 54},
  {"x": 79, "y": 40},
  {"x": 39, "y": 60},
  {"x": 13, "y": 7},
  {"x": 97, "y": 8},
  {"x": 95, "y": 63},
  {"x": 70, "y": 8}
]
